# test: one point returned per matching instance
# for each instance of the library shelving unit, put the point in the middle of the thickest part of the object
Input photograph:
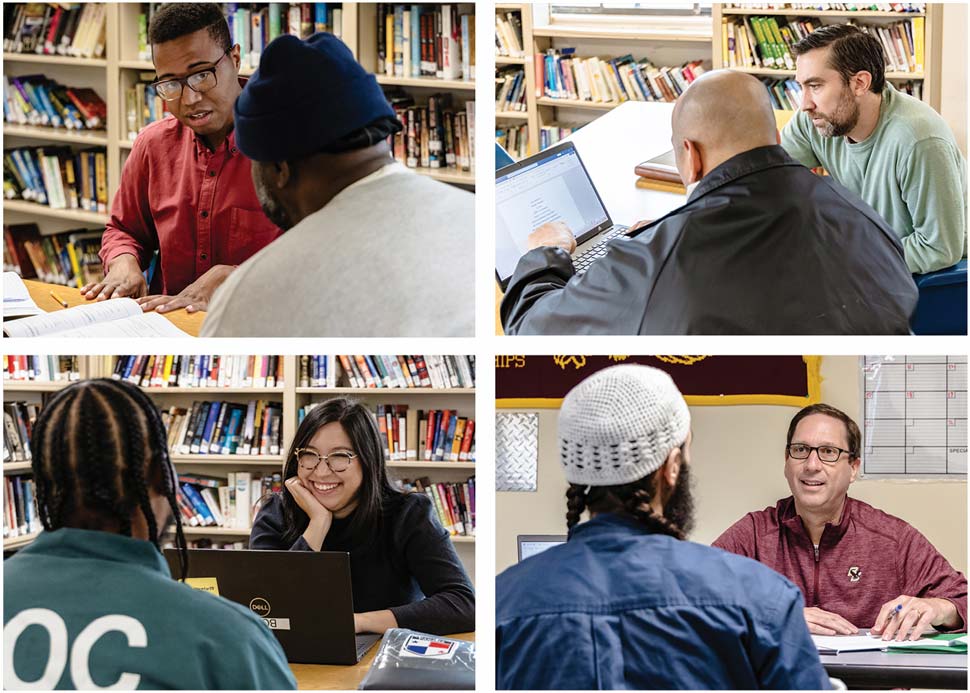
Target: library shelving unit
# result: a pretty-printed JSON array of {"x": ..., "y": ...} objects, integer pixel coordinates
[
  {"x": 612, "y": 38},
  {"x": 685, "y": 42},
  {"x": 292, "y": 399},
  {"x": 529, "y": 116},
  {"x": 120, "y": 68},
  {"x": 933, "y": 35}
]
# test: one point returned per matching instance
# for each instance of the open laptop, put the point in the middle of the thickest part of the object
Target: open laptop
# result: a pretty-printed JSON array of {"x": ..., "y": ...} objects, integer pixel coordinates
[
  {"x": 531, "y": 544},
  {"x": 550, "y": 186},
  {"x": 304, "y": 597}
]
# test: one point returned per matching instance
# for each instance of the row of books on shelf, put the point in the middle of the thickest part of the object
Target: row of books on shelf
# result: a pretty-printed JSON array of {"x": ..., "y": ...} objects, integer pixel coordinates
[
  {"x": 510, "y": 89},
  {"x": 231, "y": 503},
  {"x": 426, "y": 40},
  {"x": 204, "y": 370},
  {"x": 20, "y": 516},
  {"x": 18, "y": 422},
  {"x": 438, "y": 435},
  {"x": 44, "y": 369},
  {"x": 407, "y": 371},
  {"x": 40, "y": 101},
  {"x": 436, "y": 136},
  {"x": 454, "y": 503},
  {"x": 57, "y": 177},
  {"x": 143, "y": 105},
  {"x": 785, "y": 94},
  {"x": 253, "y": 25},
  {"x": 833, "y": 6},
  {"x": 763, "y": 42},
  {"x": 560, "y": 74},
  {"x": 71, "y": 29},
  {"x": 508, "y": 35},
  {"x": 514, "y": 139},
  {"x": 69, "y": 258},
  {"x": 225, "y": 428},
  {"x": 553, "y": 134}
]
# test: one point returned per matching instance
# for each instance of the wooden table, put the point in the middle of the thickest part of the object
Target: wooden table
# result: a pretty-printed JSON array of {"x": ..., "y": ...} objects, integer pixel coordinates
[
  {"x": 330, "y": 677},
  {"x": 40, "y": 292},
  {"x": 611, "y": 146}
]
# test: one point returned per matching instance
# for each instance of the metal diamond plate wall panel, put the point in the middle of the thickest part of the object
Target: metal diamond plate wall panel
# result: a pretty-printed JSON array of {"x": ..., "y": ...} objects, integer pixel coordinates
[{"x": 517, "y": 451}]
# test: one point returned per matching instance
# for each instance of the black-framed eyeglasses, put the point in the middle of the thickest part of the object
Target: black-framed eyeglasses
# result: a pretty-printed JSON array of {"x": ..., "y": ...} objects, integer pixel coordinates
[
  {"x": 829, "y": 454},
  {"x": 338, "y": 460},
  {"x": 199, "y": 82}
]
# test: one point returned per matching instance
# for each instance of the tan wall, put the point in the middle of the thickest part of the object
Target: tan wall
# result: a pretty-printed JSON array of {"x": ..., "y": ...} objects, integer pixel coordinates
[
  {"x": 953, "y": 90},
  {"x": 737, "y": 467}
]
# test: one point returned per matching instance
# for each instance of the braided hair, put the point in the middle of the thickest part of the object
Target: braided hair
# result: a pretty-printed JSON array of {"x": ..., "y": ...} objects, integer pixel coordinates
[
  {"x": 632, "y": 500},
  {"x": 97, "y": 447}
]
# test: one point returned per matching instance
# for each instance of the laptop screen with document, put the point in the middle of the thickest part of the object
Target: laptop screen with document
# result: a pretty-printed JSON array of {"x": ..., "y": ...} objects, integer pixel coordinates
[{"x": 550, "y": 186}]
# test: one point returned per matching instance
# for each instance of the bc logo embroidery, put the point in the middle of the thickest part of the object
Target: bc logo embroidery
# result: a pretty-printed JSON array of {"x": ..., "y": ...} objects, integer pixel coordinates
[{"x": 855, "y": 574}]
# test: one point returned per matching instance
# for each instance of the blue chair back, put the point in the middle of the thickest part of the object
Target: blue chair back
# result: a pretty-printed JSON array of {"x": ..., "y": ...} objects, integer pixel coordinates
[
  {"x": 942, "y": 307},
  {"x": 502, "y": 158}
]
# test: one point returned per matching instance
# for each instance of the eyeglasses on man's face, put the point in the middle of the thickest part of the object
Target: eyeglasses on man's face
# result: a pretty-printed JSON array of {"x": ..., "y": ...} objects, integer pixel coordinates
[
  {"x": 199, "y": 82},
  {"x": 337, "y": 461},
  {"x": 829, "y": 454}
]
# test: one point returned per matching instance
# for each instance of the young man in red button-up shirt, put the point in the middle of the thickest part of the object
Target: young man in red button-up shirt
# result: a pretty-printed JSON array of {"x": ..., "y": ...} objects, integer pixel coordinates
[
  {"x": 186, "y": 190},
  {"x": 857, "y": 566}
]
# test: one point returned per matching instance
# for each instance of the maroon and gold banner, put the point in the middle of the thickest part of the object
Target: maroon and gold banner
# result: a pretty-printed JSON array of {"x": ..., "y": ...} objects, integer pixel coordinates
[{"x": 523, "y": 382}]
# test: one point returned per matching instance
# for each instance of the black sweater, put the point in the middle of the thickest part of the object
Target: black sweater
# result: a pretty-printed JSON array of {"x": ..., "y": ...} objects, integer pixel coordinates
[{"x": 410, "y": 568}]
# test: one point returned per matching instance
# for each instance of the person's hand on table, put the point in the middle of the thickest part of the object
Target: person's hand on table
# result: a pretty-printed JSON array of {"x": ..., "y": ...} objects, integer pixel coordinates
[
  {"x": 821, "y": 622},
  {"x": 374, "y": 621},
  {"x": 124, "y": 278},
  {"x": 194, "y": 297},
  {"x": 554, "y": 234},
  {"x": 916, "y": 617}
]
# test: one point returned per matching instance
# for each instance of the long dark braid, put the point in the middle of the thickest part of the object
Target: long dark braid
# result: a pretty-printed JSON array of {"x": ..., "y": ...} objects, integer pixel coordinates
[
  {"x": 96, "y": 448},
  {"x": 632, "y": 500}
]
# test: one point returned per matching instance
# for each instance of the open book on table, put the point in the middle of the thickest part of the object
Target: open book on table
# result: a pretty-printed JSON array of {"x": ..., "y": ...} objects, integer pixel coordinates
[{"x": 118, "y": 317}]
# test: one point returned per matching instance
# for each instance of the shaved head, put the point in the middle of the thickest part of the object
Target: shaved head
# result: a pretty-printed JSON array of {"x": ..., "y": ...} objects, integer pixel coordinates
[{"x": 722, "y": 114}]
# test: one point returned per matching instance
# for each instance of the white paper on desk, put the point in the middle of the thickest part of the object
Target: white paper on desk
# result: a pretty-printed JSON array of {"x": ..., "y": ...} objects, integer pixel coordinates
[
  {"x": 17, "y": 302},
  {"x": 849, "y": 643},
  {"x": 861, "y": 643},
  {"x": 117, "y": 317}
]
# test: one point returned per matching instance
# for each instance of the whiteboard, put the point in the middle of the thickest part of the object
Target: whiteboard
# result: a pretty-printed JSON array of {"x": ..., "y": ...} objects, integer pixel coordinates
[{"x": 914, "y": 414}]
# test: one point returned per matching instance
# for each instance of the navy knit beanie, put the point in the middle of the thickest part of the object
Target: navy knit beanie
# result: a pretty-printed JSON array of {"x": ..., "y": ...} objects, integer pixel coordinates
[{"x": 305, "y": 96}]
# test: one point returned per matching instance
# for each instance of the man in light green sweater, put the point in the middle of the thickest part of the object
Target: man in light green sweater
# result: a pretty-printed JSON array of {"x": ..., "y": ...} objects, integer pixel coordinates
[{"x": 891, "y": 149}]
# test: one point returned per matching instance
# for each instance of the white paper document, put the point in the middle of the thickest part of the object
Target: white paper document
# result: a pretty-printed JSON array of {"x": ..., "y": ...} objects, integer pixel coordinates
[
  {"x": 117, "y": 317},
  {"x": 863, "y": 642},
  {"x": 17, "y": 302}
]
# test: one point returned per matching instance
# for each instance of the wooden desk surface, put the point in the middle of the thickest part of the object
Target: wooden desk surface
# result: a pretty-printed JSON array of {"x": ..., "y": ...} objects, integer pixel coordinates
[
  {"x": 331, "y": 677},
  {"x": 40, "y": 292}
]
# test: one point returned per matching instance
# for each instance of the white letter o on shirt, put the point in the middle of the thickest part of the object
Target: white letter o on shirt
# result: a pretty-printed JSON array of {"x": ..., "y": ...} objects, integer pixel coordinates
[{"x": 57, "y": 660}]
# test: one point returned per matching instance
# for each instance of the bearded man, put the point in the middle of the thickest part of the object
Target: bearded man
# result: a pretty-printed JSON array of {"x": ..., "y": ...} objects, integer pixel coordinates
[{"x": 891, "y": 149}]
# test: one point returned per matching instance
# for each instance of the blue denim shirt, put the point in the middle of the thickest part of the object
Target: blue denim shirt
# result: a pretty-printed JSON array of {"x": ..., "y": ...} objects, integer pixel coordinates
[{"x": 619, "y": 608}]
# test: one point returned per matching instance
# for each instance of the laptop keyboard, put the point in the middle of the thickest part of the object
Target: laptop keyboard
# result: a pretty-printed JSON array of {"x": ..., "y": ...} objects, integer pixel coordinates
[
  {"x": 582, "y": 262},
  {"x": 365, "y": 642}
]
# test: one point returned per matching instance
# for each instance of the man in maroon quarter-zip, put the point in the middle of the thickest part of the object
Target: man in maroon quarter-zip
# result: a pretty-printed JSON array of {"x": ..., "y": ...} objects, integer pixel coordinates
[{"x": 857, "y": 566}]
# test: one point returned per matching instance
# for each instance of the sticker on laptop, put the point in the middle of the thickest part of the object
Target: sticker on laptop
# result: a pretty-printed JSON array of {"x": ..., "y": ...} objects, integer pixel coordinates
[{"x": 428, "y": 646}]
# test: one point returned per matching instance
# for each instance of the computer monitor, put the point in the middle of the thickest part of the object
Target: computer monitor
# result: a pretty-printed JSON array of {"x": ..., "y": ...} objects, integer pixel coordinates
[{"x": 532, "y": 544}]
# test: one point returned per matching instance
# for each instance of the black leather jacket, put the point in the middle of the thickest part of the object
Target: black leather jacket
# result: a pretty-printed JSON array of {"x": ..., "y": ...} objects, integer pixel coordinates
[{"x": 763, "y": 246}]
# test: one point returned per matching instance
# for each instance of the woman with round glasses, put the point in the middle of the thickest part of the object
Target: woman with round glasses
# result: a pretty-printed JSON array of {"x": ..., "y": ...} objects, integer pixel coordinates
[{"x": 336, "y": 497}]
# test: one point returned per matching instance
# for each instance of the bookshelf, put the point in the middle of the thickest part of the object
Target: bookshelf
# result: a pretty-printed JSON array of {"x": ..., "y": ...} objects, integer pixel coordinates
[
  {"x": 932, "y": 40},
  {"x": 672, "y": 43},
  {"x": 293, "y": 398},
  {"x": 119, "y": 69}
]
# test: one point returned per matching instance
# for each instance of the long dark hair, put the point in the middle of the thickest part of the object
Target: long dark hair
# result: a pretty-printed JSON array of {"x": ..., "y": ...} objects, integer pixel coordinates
[
  {"x": 96, "y": 449},
  {"x": 375, "y": 488},
  {"x": 633, "y": 500}
]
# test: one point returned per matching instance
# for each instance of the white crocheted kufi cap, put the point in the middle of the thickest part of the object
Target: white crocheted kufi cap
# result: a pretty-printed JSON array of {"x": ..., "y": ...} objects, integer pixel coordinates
[{"x": 620, "y": 424}]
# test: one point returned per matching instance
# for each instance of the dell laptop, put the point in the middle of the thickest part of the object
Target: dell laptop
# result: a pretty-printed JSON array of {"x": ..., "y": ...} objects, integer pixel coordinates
[
  {"x": 553, "y": 185},
  {"x": 275, "y": 586}
]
